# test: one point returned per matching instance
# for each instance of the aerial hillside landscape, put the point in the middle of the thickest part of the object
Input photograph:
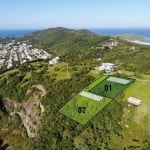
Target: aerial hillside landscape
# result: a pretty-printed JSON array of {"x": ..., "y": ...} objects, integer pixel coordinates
[
  {"x": 34, "y": 94},
  {"x": 74, "y": 75}
]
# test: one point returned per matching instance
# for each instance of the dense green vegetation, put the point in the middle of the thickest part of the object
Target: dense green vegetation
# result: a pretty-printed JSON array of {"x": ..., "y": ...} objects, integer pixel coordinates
[{"x": 107, "y": 130}]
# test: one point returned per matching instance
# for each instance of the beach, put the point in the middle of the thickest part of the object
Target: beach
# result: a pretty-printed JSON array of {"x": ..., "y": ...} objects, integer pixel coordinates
[{"x": 143, "y": 43}]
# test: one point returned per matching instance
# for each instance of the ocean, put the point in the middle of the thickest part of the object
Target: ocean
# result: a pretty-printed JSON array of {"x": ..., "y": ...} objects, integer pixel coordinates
[
  {"x": 21, "y": 32},
  {"x": 17, "y": 32},
  {"x": 112, "y": 32}
]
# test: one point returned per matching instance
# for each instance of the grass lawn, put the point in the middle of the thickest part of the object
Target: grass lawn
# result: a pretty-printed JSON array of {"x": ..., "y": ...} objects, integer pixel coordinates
[
  {"x": 92, "y": 107},
  {"x": 141, "y": 90},
  {"x": 103, "y": 88},
  {"x": 59, "y": 71},
  {"x": 137, "y": 118}
]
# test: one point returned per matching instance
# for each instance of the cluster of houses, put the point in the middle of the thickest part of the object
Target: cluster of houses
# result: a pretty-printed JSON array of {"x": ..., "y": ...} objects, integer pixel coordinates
[
  {"x": 15, "y": 53},
  {"x": 108, "y": 45}
]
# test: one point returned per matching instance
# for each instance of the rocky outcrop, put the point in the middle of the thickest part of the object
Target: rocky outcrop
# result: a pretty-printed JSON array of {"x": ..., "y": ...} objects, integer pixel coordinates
[
  {"x": 30, "y": 112},
  {"x": 4, "y": 145}
]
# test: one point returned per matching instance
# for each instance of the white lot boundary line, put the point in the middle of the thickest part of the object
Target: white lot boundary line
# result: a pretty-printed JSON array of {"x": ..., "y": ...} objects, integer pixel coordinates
[
  {"x": 90, "y": 95},
  {"x": 118, "y": 80}
]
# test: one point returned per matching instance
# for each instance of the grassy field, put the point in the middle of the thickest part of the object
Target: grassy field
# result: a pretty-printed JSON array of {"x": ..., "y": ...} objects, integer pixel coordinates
[
  {"x": 59, "y": 71},
  {"x": 109, "y": 89},
  {"x": 136, "y": 118},
  {"x": 141, "y": 90},
  {"x": 91, "y": 108}
]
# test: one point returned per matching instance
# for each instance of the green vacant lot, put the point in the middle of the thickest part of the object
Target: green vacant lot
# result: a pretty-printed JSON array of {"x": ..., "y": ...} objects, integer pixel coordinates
[
  {"x": 141, "y": 90},
  {"x": 82, "y": 109},
  {"x": 109, "y": 89},
  {"x": 137, "y": 118}
]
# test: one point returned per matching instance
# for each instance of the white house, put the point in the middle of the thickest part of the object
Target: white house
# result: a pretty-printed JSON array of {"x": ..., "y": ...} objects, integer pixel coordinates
[
  {"x": 55, "y": 60},
  {"x": 134, "y": 101},
  {"x": 107, "y": 67},
  {"x": 132, "y": 48}
]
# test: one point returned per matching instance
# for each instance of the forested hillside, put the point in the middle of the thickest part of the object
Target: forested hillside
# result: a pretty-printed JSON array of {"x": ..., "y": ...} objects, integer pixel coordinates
[{"x": 81, "y": 46}]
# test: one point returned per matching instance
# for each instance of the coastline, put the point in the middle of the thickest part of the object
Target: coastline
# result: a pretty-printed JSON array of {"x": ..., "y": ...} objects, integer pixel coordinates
[
  {"x": 117, "y": 31},
  {"x": 142, "y": 43}
]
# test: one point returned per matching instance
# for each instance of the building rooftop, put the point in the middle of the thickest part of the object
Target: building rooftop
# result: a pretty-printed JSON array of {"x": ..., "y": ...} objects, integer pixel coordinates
[{"x": 134, "y": 101}]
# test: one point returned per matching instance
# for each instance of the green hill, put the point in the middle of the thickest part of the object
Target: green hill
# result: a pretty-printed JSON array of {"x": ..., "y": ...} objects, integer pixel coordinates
[
  {"x": 62, "y": 40},
  {"x": 82, "y": 46}
]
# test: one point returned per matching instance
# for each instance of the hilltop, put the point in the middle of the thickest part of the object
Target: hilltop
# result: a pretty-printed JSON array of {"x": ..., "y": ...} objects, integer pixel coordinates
[{"x": 54, "y": 35}]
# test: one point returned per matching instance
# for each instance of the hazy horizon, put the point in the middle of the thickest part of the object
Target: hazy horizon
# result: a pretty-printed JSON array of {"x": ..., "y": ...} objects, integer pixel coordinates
[
  {"x": 77, "y": 28},
  {"x": 101, "y": 31}
]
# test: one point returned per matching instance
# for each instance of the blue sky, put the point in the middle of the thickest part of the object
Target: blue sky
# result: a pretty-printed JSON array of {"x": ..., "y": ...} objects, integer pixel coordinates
[{"x": 27, "y": 14}]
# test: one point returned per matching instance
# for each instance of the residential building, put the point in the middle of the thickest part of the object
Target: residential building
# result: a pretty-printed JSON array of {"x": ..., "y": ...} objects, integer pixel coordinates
[
  {"x": 55, "y": 60},
  {"x": 106, "y": 67},
  {"x": 134, "y": 101}
]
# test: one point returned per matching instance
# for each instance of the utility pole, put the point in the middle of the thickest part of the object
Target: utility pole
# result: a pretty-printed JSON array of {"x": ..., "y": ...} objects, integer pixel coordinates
[{"x": 67, "y": 71}]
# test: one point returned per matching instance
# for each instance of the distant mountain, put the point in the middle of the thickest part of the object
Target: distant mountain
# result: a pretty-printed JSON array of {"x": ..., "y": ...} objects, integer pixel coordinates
[
  {"x": 133, "y": 37},
  {"x": 63, "y": 31},
  {"x": 61, "y": 40}
]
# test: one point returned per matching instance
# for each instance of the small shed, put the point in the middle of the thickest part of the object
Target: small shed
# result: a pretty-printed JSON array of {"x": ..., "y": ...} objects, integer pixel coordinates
[{"x": 134, "y": 101}]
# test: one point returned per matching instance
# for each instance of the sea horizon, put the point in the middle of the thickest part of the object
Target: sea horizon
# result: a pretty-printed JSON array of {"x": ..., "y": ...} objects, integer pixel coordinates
[
  {"x": 117, "y": 31},
  {"x": 100, "y": 31},
  {"x": 16, "y": 32}
]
